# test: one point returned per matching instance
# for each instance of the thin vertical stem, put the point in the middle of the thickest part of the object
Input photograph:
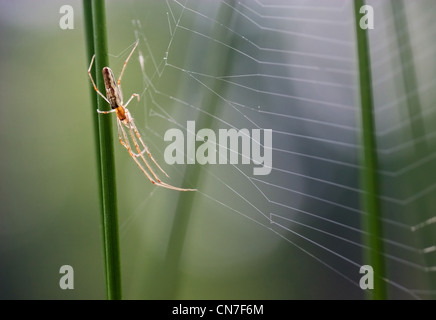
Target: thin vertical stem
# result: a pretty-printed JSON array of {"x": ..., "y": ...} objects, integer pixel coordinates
[
  {"x": 192, "y": 176},
  {"x": 106, "y": 153},
  {"x": 89, "y": 35},
  {"x": 409, "y": 78},
  {"x": 369, "y": 177}
]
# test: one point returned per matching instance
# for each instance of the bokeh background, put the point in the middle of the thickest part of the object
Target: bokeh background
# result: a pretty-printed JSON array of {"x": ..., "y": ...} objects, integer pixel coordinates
[{"x": 285, "y": 65}]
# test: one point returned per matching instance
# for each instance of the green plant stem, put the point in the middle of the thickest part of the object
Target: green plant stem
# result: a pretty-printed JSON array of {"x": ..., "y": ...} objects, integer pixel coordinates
[
  {"x": 369, "y": 177},
  {"x": 89, "y": 35},
  {"x": 106, "y": 153},
  {"x": 413, "y": 103},
  {"x": 192, "y": 175},
  {"x": 410, "y": 81}
]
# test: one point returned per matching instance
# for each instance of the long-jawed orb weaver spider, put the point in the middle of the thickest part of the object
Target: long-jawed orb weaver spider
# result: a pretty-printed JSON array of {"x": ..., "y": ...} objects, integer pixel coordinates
[{"x": 114, "y": 97}]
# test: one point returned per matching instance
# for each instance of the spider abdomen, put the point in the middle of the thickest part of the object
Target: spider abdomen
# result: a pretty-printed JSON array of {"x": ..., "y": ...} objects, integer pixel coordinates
[{"x": 113, "y": 92}]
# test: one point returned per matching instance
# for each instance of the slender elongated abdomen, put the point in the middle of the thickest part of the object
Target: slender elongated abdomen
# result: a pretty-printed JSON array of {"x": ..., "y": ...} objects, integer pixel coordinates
[{"x": 113, "y": 93}]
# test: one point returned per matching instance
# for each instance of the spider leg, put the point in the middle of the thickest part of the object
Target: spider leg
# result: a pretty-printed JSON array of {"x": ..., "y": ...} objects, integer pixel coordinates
[
  {"x": 125, "y": 64},
  {"x": 131, "y": 127},
  {"x": 145, "y": 147},
  {"x": 106, "y": 112},
  {"x": 168, "y": 186},
  {"x": 128, "y": 101},
  {"x": 92, "y": 80},
  {"x": 124, "y": 140}
]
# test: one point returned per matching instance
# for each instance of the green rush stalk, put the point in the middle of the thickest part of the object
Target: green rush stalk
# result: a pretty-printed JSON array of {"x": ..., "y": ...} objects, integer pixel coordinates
[
  {"x": 369, "y": 176},
  {"x": 192, "y": 175},
  {"x": 95, "y": 29}
]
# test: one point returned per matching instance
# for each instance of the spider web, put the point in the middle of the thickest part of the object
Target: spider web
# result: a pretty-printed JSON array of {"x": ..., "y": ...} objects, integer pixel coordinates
[{"x": 291, "y": 66}]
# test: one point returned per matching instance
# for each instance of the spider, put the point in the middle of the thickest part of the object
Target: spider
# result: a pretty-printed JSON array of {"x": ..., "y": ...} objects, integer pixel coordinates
[{"x": 125, "y": 121}]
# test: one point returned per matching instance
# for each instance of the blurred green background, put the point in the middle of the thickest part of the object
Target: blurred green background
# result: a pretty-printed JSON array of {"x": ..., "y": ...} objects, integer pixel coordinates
[{"x": 299, "y": 62}]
